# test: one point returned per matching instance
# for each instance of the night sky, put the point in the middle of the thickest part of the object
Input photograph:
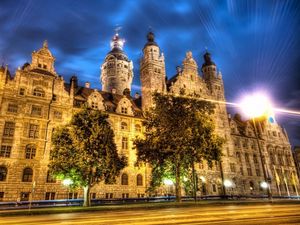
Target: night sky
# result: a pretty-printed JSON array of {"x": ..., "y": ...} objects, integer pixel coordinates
[{"x": 255, "y": 44}]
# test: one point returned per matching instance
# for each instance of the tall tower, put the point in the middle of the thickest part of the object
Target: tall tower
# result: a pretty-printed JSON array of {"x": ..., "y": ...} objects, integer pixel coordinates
[
  {"x": 117, "y": 69},
  {"x": 152, "y": 70},
  {"x": 212, "y": 78}
]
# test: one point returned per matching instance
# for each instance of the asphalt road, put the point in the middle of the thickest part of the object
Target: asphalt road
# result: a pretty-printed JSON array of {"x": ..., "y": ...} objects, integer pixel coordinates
[{"x": 227, "y": 214}]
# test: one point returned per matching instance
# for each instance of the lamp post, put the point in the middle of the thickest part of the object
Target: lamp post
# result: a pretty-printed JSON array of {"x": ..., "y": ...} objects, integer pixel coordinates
[
  {"x": 67, "y": 182},
  {"x": 257, "y": 106}
]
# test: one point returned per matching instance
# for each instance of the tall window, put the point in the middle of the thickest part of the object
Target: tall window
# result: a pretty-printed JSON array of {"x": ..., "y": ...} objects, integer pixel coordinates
[
  {"x": 249, "y": 170},
  {"x": 124, "y": 126},
  {"x": 36, "y": 110},
  {"x": 139, "y": 180},
  {"x": 50, "y": 178},
  {"x": 232, "y": 167},
  {"x": 124, "y": 143},
  {"x": 9, "y": 129},
  {"x": 238, "y": 156},
  {"x": 50, "y": 196},
  {"x": 247, "y": 158},
  {"x": 272, "y": 158},
  {"x": 22, "y": 91},
  {"x": 27, "y": 175},
  {"x": 3, "y": 173},
  {"x": 33, "y": 131},
  {"x": 30, "y": 152},
  {"x": 13, "y": 108},
  {"x": 124, "y": 179},
  {"x": 255, "y": 159},
  {"x": 39, "y": 92},
  {"x": 138, "y": 128},
  {"x": 5, "y": 151}
]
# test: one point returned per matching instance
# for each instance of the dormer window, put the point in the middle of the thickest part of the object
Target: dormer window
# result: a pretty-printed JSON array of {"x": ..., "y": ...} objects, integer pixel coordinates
[
  {"x": 124, "y": 110},
  {"x": 38, "y": 92}
]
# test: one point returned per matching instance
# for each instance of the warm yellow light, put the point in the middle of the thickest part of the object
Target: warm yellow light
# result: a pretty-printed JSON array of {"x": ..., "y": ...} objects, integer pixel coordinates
[
  {"x": 67, "y": 182},
  {"x": 168, "y": 182},
  {"x": 257, "y": 105}
]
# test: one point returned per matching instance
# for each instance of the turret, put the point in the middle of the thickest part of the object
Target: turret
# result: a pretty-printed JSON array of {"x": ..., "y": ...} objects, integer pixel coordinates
[
  {"x": 152, "y": 71},
  {"x": 117, "y": 69}
]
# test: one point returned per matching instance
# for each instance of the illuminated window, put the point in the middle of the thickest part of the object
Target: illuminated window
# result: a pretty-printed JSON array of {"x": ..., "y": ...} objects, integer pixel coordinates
[
  {"x": 13, "y": 108},
  {"x": 138, "y": 128},
  {"x": 30, "y": 152},
  {"x": 139, "y": 180},
  {"x": 5, "y": 151},
  {"x": 3, "y": 173},
  {"x": 124, "y": 143},
  {"x": 50, "y": 178},
  {"x": 36, "y": 110},
  {"x": 38, "y": 92},
  {"x": 124, "y": 179},
  {"x": 27, "y": 175},
  {"x": 9, "y": 129},
  {"x": 124, "y": 126},
  {"x": 33, "y": 131}
]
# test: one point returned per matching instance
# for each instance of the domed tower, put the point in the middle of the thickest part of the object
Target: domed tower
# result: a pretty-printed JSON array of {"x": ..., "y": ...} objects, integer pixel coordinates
[
  {"x": 152, "y": 70},
  {"x": 117, "y": 69},
  {"x": 43, "y": 59},
  {"x": 212, "y": 78}
]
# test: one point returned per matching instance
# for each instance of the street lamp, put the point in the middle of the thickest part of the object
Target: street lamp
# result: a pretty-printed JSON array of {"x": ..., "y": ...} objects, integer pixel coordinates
[
  {"x": 227, "y": 183},
  {"x": 257, "y": 106},
  {"x": 67, "y": 182},
  {"x": 264, "y": 185},
  {"x": 168, "y": 183}
]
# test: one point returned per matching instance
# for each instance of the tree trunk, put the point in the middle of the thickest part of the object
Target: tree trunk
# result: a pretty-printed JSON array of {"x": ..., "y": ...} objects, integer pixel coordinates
[
  {"x": 178, "y": 183},
  {"x": 86, "y": 196}
]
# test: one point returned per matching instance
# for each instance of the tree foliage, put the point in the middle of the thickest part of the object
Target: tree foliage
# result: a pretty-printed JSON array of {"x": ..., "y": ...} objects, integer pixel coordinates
[
  {"x": 84, "y": 151},
  {"x": 179, "y": 133}
]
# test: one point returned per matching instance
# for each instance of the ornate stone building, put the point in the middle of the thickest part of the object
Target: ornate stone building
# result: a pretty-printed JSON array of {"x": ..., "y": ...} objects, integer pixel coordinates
[{"x": 36, "y": 100}]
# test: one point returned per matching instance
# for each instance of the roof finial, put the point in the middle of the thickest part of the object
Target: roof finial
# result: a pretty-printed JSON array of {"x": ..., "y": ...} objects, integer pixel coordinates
[
  {"x": 45, "y": 44},
  {"x": 117, "y": 29}
]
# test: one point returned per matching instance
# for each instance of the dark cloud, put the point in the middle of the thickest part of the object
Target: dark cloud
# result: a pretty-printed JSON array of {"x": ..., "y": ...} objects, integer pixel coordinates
[{"x": 254, "y": 43}]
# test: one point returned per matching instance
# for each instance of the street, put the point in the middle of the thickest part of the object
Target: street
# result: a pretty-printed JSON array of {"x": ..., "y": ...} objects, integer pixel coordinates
[{"x": 216, "y": 214}]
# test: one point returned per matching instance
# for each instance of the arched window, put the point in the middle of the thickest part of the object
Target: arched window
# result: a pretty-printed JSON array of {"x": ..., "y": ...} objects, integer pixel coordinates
[
  {"x": 27, "y": 175},
  {"x": 3, "y": 173},
  {"x": 50, "y": 178},
  {"x": 138, "y": 128},
  {"x": 139, "y": 180},
  {"x": 124, "y": 126},
  {"x": 30, "y": 152},
  {"x": 124, "y": 179},
  {"x": 39, "y": 92}
]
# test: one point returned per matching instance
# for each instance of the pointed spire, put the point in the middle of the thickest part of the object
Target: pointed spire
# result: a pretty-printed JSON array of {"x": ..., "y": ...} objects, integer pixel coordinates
[
  {"x": 45, "y": 44},
  {"x": 116, "y": 41}
]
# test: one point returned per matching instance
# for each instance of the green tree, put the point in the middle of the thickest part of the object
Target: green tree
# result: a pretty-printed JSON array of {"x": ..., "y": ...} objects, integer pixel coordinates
[
  {"x": 84, "y": 151},
  {"x": 179, "y": 133}
]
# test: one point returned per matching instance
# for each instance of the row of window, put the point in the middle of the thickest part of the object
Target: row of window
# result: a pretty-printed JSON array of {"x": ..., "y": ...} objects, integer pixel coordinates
[
  {"x": 35, "y": 110},
  {"x": 125, "y": 127},
  {"x": 28, "y": 175},
  {"x": 247, "y": 157},
  {"x": 9, "y": 130}
]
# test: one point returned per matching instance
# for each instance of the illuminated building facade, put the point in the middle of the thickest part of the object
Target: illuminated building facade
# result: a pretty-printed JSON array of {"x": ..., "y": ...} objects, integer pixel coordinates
[{"x": 36, "y": 100}]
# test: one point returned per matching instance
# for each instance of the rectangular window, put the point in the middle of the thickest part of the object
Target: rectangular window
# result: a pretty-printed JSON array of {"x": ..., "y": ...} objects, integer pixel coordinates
[
  {"x": 57, "y": 114},
  {"x": 36, "y": 110},
  {"x": 73, "y": 195},
  {"x": 22, "y": 91},
  {"x": 242, "y": 171},
  {"x": 24, "y": 196},
  {"x": 247, "y": 158},
  {"x": 124, "y": 143},
  {"x": 257, "y": 172},
  {"x": 124, "y": 110},
  {"x": 9, "y": 129},
  {"x": 50, "y": 196},
  {"x": 1, "y": 196},
  {"x": 33, "y": 131},
  {"x": 13, "y": 108},
  {"x": 255, "y": 159},
  {"x": 232, "y": 167},
  {"x": 109, "y": 195},
  {"x": 214, "y": 188},
  {"x": 5, "y": 151},
  {"x": 93, "y": 195},
  {"x": 125, "y": 195},
  {"x": 249, "y": 171}
]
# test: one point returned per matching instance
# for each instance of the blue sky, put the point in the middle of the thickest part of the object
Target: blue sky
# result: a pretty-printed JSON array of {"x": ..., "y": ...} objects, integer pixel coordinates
[{"x": 255, "y": 44}]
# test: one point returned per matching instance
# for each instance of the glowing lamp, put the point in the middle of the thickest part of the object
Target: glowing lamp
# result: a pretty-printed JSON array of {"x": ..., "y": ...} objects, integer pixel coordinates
[
  {"x": 67, "y": 182},
  {"x": 202, "y": 178},
  {"x": 227, "y": 183},
  {"x": 168, "y": 182},
  {"x": 264, "y": 185}
]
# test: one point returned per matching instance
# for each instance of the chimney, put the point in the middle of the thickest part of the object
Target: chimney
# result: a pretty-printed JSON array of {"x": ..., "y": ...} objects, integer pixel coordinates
[
  {"x": 113, "y": 91},
  {"x": 87, "y": 85},
  {"x": 137, "y": 95}
]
